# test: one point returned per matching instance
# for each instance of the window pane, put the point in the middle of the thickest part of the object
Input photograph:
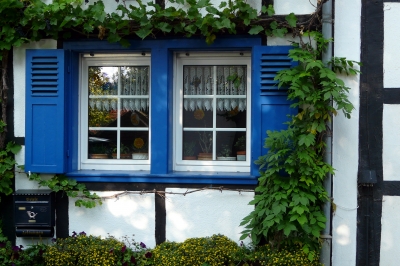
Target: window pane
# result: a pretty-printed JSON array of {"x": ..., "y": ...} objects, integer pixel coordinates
[
  {"x": 197, "y": 145},
  {"x": 101, "y": 144},
  {"x": 231, "y": 119}
]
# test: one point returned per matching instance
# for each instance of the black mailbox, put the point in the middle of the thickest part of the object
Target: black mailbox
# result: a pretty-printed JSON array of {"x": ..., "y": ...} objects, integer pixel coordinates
[{"x": 34, "y": 213}]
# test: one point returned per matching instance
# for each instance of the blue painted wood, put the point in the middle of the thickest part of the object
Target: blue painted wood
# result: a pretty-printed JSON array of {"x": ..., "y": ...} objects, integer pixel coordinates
[
  {"x": 171, "y": 178},
  {"x": 161, "y": 111},
  {"x": 44, "y": 136},
  {"x": 269, "y": 106}
]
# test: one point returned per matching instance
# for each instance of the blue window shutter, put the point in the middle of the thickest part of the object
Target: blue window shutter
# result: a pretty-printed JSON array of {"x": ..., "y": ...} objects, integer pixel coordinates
[
  {"x": 45, "y": 110},
  {"x": 270, "y": 106}
]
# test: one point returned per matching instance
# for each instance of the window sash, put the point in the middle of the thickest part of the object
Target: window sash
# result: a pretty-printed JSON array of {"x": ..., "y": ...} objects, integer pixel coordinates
[
  {"x": 109, "y": 164},
  {"x": 208, "y": 59}
]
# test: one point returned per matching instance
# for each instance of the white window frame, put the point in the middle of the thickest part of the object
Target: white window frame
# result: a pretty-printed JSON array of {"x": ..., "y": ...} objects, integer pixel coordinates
[
  {"x": 214, "y": 59},
  {"x": 107, "y": 60}
]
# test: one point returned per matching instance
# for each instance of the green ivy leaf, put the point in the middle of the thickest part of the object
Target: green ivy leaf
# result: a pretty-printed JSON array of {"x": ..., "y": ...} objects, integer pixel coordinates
[
  {"x": 307, "y": 140},
  {"x": 143, "y": 32},
  {"x": 164, "y": 26},
  {"x": 256, "y": 30},
  {"x": 291, "y": 19}
]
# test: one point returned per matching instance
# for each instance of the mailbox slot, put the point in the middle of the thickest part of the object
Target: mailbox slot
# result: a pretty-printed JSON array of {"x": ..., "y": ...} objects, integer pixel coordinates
[{"x": 34, "y": 213}]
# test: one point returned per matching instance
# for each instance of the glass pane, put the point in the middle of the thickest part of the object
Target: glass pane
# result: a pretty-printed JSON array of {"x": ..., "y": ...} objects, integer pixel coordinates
[
  {"x": 197, "y": 80},
  {"x": 134, "y": 118},
  {"x": 139, "y": 141},
  {"x": 135, "y": 80},
  {"x": 231, "y": 119},
  {"x": 197, "y": 145},
  {"x": 100, "y": 144},
  {"x": 103, "y": 80},
  {"x": 231, "y": 80},
  {"x": 197, "y": 118},
  {"x": 231, "y": 146}
]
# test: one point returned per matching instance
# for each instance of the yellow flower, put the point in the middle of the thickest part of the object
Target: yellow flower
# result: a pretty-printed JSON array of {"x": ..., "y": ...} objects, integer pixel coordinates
[
  {"x": 138, "y": 143},
  {"x": 199, "y": 114}
]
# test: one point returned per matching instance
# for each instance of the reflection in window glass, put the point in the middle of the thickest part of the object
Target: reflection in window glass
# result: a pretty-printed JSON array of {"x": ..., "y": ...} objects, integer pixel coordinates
[{"x": 118, "y": 112}]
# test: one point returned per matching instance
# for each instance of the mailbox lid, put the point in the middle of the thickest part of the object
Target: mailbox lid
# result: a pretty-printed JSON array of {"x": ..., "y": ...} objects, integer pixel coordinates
[{"x": 33, "y": 195}]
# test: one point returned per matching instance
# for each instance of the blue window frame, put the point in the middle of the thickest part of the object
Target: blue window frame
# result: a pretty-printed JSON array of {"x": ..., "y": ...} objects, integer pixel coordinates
[{"x": 53, "y": 99}]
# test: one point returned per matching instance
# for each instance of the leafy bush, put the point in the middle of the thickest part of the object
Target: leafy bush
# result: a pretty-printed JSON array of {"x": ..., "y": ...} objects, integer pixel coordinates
[
  {"x": 83, "y": 250},
  {"x": 80, "y": 249},
  {"x": 219, "y": 250},
  {"x": 17, "y": 256},
  {"x": 214, "y": 250}
]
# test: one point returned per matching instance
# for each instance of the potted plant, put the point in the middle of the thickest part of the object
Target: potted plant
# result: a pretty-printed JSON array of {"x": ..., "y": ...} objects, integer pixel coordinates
[
  {"x": 124, "y": 152},
  {"x": 205, "y": 141},
  {"x": 140, "y": 148},
  {"x": 188, "y": 150},
  {"x": 241, "y": 148},
  {"x": 225, "y": 153},
  {"x": 98, "y": 151}
]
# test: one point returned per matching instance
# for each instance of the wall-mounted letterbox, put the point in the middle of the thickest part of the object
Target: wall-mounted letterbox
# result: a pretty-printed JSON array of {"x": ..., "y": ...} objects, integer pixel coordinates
[{"x": 34, "y": 213}]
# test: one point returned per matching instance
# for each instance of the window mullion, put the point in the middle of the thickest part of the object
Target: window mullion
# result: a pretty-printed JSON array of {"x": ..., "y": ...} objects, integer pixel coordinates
[{"x": 214, "y": 112}]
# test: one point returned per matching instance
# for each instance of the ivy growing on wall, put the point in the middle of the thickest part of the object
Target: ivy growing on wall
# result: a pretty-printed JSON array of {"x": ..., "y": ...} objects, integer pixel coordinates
[{"x": 290, "y": 194}]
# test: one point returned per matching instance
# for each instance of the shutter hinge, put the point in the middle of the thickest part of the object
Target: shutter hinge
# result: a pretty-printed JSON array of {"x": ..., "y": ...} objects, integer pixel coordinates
[
  {"x": 68, "y": 69},
  {"x": 67, "y": 153}
]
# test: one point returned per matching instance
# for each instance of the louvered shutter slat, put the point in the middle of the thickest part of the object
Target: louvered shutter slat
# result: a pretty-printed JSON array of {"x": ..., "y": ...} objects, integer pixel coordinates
[
  {"x": 44, "y": 138},
  {"x": 270, "y": 106}
]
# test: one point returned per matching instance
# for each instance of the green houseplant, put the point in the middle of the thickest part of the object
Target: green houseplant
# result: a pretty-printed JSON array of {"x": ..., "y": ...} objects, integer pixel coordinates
[
  {"x": 124, "y": 152},
  {"x": 205, "y": 141},
  {"x": 188, "y": 150},
  {"x": 241, "y": 148},
  {"x": 98, "y": 151},
  {"x": 225, "y": 154}
]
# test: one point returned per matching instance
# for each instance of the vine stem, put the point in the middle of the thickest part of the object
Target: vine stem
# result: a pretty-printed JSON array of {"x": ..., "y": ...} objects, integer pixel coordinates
[{"x": 4, "y": 96}]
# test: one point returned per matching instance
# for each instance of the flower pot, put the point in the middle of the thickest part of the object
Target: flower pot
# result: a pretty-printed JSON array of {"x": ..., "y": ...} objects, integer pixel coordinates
[
  {"x": 222, "y": 158},
  {"x": 98, "y": 156},
  {"x": 204, "y": 156},
  {"x": 140, "y": 156},
  {"x": 241, "y": 155},
  {"x": 189, "y": 158},
  {"x": 122, "y": 156}
]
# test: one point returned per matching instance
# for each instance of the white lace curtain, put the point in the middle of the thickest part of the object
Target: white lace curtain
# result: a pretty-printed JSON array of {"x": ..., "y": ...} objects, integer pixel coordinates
[
  {"x": 230, "y": 81},
  {"x": 134, "y": 81}
]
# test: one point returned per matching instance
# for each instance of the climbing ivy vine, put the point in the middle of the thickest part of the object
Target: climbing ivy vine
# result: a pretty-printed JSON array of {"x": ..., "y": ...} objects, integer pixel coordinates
[{"x": 290, "y": 193}]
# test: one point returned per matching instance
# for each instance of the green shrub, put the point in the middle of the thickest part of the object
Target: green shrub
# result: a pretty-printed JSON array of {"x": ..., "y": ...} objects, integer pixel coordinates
[
  {"x": 17, "y": 256},
  {"x": 81, "y": 249},
  {"x": 84, "y": 250},
  {"x": 219, "y": 250},
  {"x": 214, "y": 250}
]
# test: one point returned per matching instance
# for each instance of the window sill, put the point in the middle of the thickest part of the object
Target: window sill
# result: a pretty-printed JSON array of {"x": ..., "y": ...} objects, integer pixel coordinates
[{"x": 222, "y": 178}]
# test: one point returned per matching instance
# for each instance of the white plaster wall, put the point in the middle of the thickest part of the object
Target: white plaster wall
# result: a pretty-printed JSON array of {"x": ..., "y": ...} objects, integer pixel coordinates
[
  {"x": 126, "y": 216},
  {"x": 391, "y": 142},
  {"x": 345, "y": 139},
  {"x": 390, "y": 234},
  {"x": 391, "y": 67},
  {"x": 300, "y": 7},
  {"x": 111, "y": 5},
  {"x": 256, "y": 4},
  {"x": 206, "y": 213}
]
